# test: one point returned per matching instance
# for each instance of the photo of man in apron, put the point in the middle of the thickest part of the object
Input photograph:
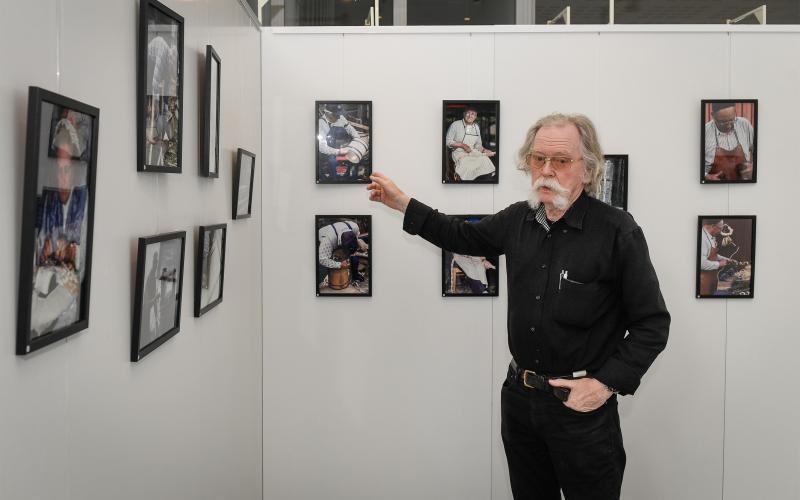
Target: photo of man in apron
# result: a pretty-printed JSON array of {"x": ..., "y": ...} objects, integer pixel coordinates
[
  {"x": 472, "y": 160},
  {"x": 729, "y": 143}
]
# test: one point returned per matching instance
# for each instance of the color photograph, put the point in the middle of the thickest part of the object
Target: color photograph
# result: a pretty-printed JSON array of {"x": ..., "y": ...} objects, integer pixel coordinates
[
  {"x": 471, "y": 131},
  {"x": 58, "y": 217},
  {"x": 729, "y": 137},
  {"x": 467, "y": 275},
  {"x": 726, "y": 247},
  {"x": 343, "y": 142},
  {"x": 343, "y": 257}
]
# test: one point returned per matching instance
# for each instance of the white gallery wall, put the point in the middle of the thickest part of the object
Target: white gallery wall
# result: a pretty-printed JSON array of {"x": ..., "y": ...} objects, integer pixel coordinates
[
  {"x": 397, "y": 396},
  {"x": 78, "y": 420}
]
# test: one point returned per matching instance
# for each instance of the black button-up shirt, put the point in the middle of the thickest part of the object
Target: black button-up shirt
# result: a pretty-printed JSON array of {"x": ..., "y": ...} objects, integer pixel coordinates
[{"x": 573, "y": 291}]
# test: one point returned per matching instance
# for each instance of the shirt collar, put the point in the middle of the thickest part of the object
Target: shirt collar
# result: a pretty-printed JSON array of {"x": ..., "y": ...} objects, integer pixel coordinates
[{"x": 573, "y": 217}]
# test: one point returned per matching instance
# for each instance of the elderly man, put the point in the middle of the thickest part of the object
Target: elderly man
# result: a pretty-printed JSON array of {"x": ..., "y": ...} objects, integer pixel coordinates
[
  {"x": 471, "y": 159},
  {"x": 579, "y": 278},
  {"x": 729, "y": 145}
]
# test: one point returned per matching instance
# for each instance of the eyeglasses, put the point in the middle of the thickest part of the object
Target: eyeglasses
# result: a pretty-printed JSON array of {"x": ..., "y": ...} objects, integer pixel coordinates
[{"x": 558, "y": 163}]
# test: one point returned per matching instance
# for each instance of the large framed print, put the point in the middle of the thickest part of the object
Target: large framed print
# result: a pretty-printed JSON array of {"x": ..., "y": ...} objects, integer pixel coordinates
[
  {"x": 57, "y": 219},
  {"x": 614, "y": 183},
  {"x": 471, "y": 142},
  {"x": 209, "y": 149},
  {"x": 159, "y": 89},
  {"x": 726, "y": 253},
  {"x": 210, "y": 268},
  {"x": 728, "y": 143},
  {"x": 468, "y": 275},
  {"x": 343, "y": 142},
  {"x": 343, "y": 255},
  {"x": 159, "y": 292},
  {"x": 243, "y": 178}
]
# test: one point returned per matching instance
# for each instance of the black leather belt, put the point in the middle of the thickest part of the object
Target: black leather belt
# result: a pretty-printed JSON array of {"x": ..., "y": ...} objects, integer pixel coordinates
[{"x": 533, "y": 380}]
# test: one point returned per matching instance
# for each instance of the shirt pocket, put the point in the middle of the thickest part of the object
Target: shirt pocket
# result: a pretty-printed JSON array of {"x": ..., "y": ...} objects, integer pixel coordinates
[{"x": 579, "y": 304}]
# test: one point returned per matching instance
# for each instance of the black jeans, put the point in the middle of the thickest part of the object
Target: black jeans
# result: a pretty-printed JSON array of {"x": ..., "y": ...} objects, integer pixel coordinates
[{"x": 550, "y": 447}]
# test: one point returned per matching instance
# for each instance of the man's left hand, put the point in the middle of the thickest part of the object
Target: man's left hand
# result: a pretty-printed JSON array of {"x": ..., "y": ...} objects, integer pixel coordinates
[{"x": 585, "y": 394}]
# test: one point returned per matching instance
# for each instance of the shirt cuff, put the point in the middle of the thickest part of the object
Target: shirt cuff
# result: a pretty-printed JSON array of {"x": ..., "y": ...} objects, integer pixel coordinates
[
  {"x": 619, "y": 376},
  {"x": 416, "y": 214}
]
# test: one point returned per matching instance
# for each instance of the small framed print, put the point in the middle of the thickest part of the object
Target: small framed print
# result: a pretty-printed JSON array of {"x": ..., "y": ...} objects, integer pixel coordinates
[
  {"x": 243, "y": 176},
  {"x": 728, "y": 143},
  {"x": 209, "y": 152},
  {"x": 159, "y": 292},
  {"x": 160, "y": 89},
  {"x": 614, "y": 183},
  {"x": 471, "y": 146},
  {"x": 343, "y": 142},
  {"x": 210, "y": 268},
  {"x": 344, "y": 255},
  {"x": 58, "y": 219},
  {"x": 467, "y": 275},
  {"x": 726, "y": 252}
]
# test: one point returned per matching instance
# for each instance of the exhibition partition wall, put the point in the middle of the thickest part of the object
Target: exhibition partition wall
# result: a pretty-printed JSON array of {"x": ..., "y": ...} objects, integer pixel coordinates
[
  {"x": 79, "y": 420},
  {"x": 396, "y": 396}
]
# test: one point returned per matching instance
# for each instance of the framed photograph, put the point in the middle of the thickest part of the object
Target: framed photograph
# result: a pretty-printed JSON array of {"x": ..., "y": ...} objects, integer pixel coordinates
[
  {"x": 726, "y": 256},
  {"x": 467, "y": 275},
  {"x": 343, "y": 256},
  {"x": 209, "y": 152},
  {"x": 159, "y": 89},
  {"x": 343, "y": 143},
  {"x": 57, "y": 219},
  {"x": 243, "y": 175},
  {"x": 728, "y": 151},
  {"x": 210, "y": 268},
  {"x": 159, "y": 287},
  {"x": 471, "y": 144},
  {"x": 614, "y": 183}
]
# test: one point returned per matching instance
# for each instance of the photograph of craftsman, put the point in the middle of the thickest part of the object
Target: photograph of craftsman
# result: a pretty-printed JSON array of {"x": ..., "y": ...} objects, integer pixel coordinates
[
  {"x": 586, "y": 317},
  {"x": 473, "y": 162},
  {"x": 342, "y": 257},
  {"x": 729, "y": 141},
  {"x": 343, "y": 142},
  {"x": 725, "y": 267}
]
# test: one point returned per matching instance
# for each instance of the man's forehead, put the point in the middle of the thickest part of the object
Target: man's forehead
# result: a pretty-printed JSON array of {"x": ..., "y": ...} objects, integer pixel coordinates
[{"x": 563, "y": 136}]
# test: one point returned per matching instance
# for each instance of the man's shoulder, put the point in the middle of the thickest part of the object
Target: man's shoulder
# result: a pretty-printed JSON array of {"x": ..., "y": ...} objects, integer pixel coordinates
[{"x": 610, "y": 216}]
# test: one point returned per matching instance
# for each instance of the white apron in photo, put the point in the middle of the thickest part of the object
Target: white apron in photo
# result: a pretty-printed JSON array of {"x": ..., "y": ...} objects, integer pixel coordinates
[
  {"x": 472, "y": 266},
  {"x": 473, "y": 164}
]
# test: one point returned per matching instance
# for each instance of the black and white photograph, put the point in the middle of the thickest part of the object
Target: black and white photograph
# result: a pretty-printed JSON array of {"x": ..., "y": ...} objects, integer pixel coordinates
[
  {"x": 243, "y": 178},
  {"x": 160, "y": 89},
  {"x": 469, "y": 275},
  {"x": 57, "y": 221},
  {"x": 470, "y": 151},
  {"x": 343, "y": 142},
  {"x": 159, "y": 285},
  {"x": 726, "y": 252},
  {"x": 728, "y": 141},
  {"x": 209, "y": 150},
  {"x": 613, "y": 187},
  {"x": 210, "y": 268},
  {"x": 343, "y": 257}
]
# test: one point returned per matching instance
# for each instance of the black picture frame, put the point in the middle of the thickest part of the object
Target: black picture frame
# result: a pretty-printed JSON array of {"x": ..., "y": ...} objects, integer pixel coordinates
[
  {"x": 59, "y": 245},
  {"x": 210, "y": 117},
  {"x": 355, "y": 166},
  {"x": 242, "y": 186},
  {"x": 455, "y": 268},
  {"x": 210, "y": 247},
  {"x": 738, "y": 280},
  {"x": 614, "y": 182},
  {"x": 152, "y": 295},
  {"x": 488, "y": 122},
  {"x": 160, "y": 109},
  {"x": 345, "y": 285},
  {"x": 732, "y": 174}
]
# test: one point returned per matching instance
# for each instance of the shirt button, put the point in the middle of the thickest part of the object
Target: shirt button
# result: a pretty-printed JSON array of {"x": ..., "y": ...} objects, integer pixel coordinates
[
  {"x": 544, "y": 266},
  {"x": 538, "y": 297},
  {"x": 536, "y": 361},
  {"x": 533, "y": 329},
  {"x": 564, "y": 231},
  {"x": 549, "y": 235}
]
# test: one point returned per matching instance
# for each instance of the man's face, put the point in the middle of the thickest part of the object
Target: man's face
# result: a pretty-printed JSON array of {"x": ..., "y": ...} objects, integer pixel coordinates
[
  {"x": 552, "y": 185},
  {"x": 714, "y": 229},
  {"x": 724, "y": 119},
  {"x": 470, "y": 116}
]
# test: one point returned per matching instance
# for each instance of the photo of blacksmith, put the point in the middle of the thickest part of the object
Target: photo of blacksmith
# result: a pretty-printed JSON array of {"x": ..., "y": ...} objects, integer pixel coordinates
[
  {"x": 725, "y": 262},
  {"x": 343, "y": 141},
  {"x": 467, "y": 275},
  {"x": 614, "y": 181},
  {"x": 343, "y": 255},
  {"x": 729, "y": 139},
  {"x": 61, "y": 219},
  {"x": 471, "y": 141}
]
